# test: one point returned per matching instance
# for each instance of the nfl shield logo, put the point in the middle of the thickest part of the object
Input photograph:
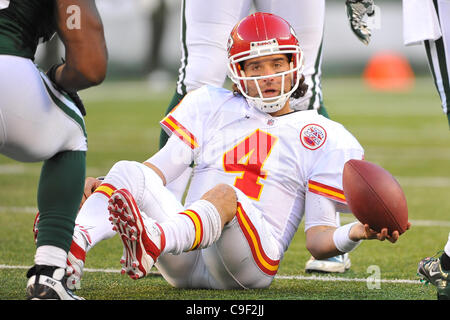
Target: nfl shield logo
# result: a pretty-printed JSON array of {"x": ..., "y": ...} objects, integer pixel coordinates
[{"x": 313, "y": 136}]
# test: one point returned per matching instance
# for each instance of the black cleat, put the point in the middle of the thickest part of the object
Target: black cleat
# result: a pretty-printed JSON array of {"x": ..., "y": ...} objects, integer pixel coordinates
[
  {"x": 48, "y": 283},
  {"x": 430, "y": 270}
]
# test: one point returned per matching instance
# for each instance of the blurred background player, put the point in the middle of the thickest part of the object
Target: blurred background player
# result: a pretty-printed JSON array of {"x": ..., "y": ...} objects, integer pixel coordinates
[
  {"x": 428, "y": 22},
  {"x": 41, "y": 119},
  {"x": 204, "y": 31}
]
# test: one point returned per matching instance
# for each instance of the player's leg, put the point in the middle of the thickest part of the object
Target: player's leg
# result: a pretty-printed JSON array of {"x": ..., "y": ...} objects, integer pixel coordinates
[
  {"x": 147, "y": 207},
  {"x": 59, "y": 194},
  {"x": 38, "y": 123},
  {"x": 138, "y": 180},
  {"x": 183, "y": 233},
  {"x": 36, "y": 120},
  {"x": 152, "y": 199},
  {"x": 307, "y": 19},
  {"x": 243, "y": 255},
  {"x": 183, "y": 265},
  {"x": 92, "y": 222},
  {"x": 246, "y": 255},
  {"x": 438, "y": 55},
  {"x": 150, "y": 221},
  {"x": 91, "y": 227},
  {"x": 61, "y": 185}
]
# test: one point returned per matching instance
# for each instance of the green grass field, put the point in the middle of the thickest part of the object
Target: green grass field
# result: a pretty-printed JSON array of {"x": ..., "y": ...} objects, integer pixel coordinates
[{"x": 404, "y": 132}]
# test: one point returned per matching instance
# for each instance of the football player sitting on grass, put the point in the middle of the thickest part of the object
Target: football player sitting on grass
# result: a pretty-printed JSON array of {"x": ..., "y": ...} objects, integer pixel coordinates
[{"x": 260, "y": 167}]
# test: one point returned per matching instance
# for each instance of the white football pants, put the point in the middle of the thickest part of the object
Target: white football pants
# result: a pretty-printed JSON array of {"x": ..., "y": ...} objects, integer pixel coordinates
[{"x": 36, "y": 120}]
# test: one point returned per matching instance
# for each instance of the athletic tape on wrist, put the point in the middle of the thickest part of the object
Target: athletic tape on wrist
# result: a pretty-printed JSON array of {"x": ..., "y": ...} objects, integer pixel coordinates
[{"x": 341, "y": 239}]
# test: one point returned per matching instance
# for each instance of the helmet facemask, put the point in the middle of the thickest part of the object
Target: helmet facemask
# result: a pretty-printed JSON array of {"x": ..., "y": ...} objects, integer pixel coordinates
[{"x": 266, "y": 48}]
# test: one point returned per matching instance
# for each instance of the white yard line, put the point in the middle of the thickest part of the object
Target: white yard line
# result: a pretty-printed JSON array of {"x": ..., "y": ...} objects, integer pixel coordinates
[{"x": 12, "y": 209}]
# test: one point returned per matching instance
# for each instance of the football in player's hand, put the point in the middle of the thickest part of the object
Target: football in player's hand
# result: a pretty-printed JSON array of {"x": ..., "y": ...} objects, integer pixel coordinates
[{"x": 374, "y": 196}]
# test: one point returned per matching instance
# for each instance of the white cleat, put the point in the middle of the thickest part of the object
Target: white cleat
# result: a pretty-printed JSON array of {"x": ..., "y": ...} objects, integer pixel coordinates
[
  {"x": 143, "y": 241},
  {"x": 338, "y": 264}
]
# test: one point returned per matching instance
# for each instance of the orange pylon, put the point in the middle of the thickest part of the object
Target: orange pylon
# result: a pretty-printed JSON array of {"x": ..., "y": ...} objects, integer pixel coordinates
[{"x": 389, "y": 71}]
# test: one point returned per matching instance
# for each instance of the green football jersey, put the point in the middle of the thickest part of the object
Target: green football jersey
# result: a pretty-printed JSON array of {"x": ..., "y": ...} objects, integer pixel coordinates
[{"x": 23, "y": 23}]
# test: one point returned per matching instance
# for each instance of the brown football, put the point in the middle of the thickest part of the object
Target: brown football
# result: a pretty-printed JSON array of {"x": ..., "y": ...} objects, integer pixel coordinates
[{"x": 374, "y": 196}]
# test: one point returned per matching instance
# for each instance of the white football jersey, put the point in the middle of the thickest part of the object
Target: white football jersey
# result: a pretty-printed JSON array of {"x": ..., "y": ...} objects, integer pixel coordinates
[{"x": 273, "y": 160}]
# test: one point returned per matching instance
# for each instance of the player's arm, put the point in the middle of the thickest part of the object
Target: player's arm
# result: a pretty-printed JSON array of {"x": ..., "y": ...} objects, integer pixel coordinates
[
  {"x": 172, "y": 160},
  {"x": 323, "y": 240},
  {"x": 81, "y": 30}
]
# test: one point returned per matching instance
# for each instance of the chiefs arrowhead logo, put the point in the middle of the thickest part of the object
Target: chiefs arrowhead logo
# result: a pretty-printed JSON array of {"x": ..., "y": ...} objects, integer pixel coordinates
[{"x": 313, "y": 136}]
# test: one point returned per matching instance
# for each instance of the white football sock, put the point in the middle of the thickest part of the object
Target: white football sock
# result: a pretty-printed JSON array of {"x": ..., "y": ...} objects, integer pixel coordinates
[
  {"x": 94, "y": 218},
  {"x": 51, "y": 256},
  {"x": 94, "y": 215},
  {"x": 196, "y": 227}
]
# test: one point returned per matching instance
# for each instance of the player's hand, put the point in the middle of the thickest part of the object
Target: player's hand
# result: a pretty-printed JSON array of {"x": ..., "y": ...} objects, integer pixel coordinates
[
  {"x": 51, "y": 74},
  {"x": 357, "y": 11},
  {"x": 90, "y": 184},
  {"x": 364, "y": 232},
  {"x": 383, "y": 235}
]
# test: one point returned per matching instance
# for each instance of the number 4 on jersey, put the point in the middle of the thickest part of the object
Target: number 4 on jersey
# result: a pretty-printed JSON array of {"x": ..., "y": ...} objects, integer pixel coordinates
[{"x": 249, "y": 157}]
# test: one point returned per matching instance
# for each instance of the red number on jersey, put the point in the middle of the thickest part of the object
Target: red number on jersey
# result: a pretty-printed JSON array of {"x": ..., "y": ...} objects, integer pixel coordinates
[{"x": 249, "y": 157}]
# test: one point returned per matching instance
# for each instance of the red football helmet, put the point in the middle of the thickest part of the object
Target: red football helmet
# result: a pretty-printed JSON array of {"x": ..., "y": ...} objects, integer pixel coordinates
[{"x": 257, "y": 35}]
